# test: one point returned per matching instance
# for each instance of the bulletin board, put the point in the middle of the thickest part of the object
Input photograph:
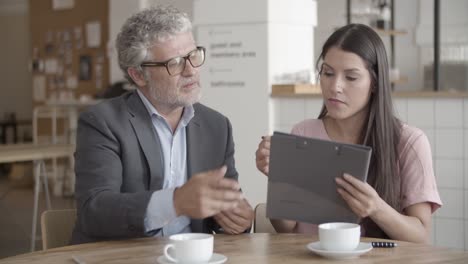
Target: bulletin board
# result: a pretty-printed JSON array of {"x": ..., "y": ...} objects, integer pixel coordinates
[{"x": 69, "y": 58}]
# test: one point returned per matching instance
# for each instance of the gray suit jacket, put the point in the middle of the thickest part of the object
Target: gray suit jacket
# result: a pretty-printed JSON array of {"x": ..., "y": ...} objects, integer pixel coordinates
[{"x": 118, "y": 165}]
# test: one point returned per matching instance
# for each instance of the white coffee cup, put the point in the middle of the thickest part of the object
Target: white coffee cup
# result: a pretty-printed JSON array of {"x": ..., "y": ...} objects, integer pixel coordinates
[
  {"x": 339, "y": 236},
  {"x": 190, "y": 247}
]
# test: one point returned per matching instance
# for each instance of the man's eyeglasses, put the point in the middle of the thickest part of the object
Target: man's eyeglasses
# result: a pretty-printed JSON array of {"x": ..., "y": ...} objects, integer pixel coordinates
[{"x": 176, "y": 65}]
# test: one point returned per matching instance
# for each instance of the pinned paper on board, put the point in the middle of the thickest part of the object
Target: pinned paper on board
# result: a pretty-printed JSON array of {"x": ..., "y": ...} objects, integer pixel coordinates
[
  {"x": 85, "y": 68},
  {"x": 98, "y": 68},
  {"x": 63, "y": 4},
  {"x": 39, "y": 88},
  {"x": 93, "y": 34},
  {"x": 72, "y": 82},
  {"x": 78, "y": 37},
  {"x": 51, "y": 66}
]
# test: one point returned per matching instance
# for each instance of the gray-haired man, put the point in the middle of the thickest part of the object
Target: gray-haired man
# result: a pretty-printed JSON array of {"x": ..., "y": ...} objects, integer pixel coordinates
[{"x": 154, "y": 161}]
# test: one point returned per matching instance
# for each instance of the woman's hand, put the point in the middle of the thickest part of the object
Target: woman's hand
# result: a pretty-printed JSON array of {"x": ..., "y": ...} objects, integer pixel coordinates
[
  {"x": 262, "y": 155},
  {"x": 413, "y": 225},
  {"x": 360, "y": 196}
]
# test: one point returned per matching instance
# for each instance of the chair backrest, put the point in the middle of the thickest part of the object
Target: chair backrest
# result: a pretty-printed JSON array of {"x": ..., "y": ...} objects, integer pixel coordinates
[
  {"x": 57, "y": 227},
  {"x": 261, "y": 223}
]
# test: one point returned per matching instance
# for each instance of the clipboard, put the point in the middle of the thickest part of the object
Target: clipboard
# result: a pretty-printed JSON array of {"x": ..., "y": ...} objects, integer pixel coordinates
[{"x": 302, "y": 172}]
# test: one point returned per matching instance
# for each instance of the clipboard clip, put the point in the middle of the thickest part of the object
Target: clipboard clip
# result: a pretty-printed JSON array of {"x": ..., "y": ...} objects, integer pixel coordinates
[
  {"x": 338, "y": 150},
  {"x": 302, "y": 144}
]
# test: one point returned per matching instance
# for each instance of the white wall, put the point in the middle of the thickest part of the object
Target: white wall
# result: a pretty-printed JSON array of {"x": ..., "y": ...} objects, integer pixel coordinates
[{"x": 15, "y": 78}]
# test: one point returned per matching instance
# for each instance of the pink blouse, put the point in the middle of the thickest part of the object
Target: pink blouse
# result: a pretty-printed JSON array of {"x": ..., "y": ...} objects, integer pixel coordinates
[{"x": 418, "y": 184}]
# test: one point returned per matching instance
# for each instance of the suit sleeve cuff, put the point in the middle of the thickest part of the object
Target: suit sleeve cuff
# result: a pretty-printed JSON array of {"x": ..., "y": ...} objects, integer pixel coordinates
[{"x": 160, "y": 211}]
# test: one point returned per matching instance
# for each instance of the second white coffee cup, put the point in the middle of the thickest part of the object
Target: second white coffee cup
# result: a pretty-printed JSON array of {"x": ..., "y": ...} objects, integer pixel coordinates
[
  {"x": 191, "y": 247},
  {"x": 339, "y": 236}
]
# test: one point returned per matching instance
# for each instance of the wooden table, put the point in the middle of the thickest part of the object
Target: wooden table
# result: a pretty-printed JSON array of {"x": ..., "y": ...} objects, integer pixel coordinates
[
  {"x": 248, "y": 248},
  {"x": 37, "y": 154}
]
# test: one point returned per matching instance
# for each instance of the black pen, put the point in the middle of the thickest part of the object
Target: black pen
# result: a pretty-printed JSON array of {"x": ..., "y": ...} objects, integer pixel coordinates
[{"x": 378, "y": 244}]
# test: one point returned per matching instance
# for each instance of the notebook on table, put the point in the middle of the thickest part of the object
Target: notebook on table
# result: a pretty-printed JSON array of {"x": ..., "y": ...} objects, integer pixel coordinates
[{"x": 301, "y": 182}]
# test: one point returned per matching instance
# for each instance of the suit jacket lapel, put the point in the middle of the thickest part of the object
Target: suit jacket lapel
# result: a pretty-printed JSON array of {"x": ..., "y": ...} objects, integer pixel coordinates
[
  {"x": 194, "y": 160},
  {"x": 149, "y": 142},
  {"x": 194, "y": 143}
]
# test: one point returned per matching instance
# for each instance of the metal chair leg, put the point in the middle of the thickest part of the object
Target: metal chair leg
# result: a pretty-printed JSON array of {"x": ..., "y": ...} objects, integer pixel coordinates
[
  {"x": 46, "y": 185},
  {"x": 37, "y": 183},
  {"x": 39, "y": 173}
]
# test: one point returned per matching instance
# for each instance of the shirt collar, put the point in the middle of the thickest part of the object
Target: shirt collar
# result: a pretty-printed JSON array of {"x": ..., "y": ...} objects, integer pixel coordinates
[{"x": 187, "y": 114}]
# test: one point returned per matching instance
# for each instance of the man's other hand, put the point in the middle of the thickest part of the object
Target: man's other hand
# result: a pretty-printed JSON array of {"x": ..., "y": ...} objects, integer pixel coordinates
[{"x": 237, "y": 220}]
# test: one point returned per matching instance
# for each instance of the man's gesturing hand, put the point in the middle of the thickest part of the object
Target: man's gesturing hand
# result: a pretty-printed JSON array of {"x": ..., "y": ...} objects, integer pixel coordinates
[{"x": 207, "y": 194}]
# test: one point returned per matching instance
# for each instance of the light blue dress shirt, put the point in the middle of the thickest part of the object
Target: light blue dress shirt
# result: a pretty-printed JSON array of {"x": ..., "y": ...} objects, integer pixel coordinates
[{"x": 160, "y": 216}]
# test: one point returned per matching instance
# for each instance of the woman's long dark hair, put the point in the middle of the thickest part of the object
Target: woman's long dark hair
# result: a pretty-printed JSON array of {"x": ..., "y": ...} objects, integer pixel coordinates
[{"x": 382, "y": 132}]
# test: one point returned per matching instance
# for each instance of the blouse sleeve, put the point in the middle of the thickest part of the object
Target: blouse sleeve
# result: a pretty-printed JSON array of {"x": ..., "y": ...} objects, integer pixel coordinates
[
  {"x": 418, "y": 184},
  {"x": 298, "y": 129}
]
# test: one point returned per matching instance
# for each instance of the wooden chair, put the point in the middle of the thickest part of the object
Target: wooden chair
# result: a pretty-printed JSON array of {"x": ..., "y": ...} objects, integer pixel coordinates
[
  {"x": 57, "y": 227},
  {"x": 261, "y": 222}
]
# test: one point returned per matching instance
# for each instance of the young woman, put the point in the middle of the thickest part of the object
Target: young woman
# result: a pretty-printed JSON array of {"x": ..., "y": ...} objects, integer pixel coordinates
[{"x": 401, "y": 193}]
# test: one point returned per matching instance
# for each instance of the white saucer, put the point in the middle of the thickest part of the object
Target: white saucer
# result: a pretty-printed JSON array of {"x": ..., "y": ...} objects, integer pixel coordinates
[
  {"x": 361, "y": 249},
  {"x": 215, "y": 259}
]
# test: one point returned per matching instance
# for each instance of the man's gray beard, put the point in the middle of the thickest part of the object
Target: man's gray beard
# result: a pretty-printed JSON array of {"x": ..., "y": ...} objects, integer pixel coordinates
[{"x": 173, "y": 101}]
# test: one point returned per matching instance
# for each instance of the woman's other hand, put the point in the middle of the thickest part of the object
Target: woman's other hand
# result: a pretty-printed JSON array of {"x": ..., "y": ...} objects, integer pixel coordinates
[
  {"x": 262, "y": 155},
  {"x": 360, "y": 196}
]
